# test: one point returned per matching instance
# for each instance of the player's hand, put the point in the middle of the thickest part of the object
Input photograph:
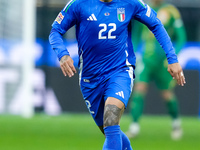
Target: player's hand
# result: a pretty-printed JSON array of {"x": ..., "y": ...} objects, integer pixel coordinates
[
  {"x": 177, "y": 73},
  {"x": 67, "y": 66}
]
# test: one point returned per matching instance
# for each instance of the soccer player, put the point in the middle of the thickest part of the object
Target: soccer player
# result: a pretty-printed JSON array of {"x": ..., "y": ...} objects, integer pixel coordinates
[
  {"x": 154, "y": 66},
  {"x": 106, "y": 57}
]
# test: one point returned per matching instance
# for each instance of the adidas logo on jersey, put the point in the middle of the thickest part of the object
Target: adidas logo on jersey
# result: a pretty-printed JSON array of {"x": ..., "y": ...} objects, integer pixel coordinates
[
  {"x": 121, "y": 93},
  {"x": 92, "y": 18}
]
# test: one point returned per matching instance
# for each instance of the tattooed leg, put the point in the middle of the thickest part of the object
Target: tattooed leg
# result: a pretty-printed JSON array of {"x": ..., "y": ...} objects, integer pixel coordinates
[
  {"x": 113, "y": 111},
  {"x": 112, "y": 114}
]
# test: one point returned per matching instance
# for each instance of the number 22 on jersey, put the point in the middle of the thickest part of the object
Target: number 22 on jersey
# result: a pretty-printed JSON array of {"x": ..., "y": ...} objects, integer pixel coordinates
[{"x": 109, "y": 36}]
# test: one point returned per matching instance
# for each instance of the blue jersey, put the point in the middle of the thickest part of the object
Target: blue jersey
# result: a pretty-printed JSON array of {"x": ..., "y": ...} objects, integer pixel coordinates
[{"x": 103, "y": 34}]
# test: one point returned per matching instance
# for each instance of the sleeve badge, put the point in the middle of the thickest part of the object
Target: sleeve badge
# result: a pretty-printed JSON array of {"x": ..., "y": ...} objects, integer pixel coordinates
[{"x": 59, "y": 18}]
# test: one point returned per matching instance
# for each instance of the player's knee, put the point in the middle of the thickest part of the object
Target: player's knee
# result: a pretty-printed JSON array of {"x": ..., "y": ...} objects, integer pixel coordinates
[
  {"x": 112, "y": 115},
  {"x": 141, "y": 87},
  {"x": 167, "y": 95}
]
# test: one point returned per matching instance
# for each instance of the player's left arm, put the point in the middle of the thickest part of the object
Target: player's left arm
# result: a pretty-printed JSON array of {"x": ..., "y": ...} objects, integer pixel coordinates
[
  {"x": 180, "y": 38},
  {"x": 180, "y": 33},
  {"x": 171, "y": 13},
  {"x": 148, "y": 16}
]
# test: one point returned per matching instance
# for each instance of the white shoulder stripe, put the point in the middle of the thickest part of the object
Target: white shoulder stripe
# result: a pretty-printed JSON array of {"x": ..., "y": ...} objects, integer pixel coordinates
[
  {"x": 67, "y": 5},
  {"x": 148, "y": 11}
]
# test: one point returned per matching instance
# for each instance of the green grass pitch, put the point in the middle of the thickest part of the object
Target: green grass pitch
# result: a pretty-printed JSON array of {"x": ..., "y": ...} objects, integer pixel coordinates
[{"x": 79, "y": 132}]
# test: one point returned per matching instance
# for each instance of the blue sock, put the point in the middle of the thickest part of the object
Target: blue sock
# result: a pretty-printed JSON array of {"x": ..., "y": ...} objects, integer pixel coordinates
[
  {"x": 126, "y": 145},
  {"x": 113, "y": 139}
]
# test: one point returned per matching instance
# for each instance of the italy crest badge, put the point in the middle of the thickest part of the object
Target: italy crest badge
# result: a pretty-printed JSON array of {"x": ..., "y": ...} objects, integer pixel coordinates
[{"x": 121, "y": 14}]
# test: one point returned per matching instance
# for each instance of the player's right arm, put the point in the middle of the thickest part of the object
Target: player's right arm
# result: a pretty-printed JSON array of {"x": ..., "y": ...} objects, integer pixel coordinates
[{"x": 65, "y": 20}]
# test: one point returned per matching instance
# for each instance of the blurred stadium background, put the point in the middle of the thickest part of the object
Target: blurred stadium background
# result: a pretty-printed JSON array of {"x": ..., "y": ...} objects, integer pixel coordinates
[{"x": 32, "y": 86}]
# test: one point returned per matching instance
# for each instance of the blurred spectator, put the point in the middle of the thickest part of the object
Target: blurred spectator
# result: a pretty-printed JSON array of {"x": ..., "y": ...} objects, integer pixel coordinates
[{"x": 153, "y": 66}]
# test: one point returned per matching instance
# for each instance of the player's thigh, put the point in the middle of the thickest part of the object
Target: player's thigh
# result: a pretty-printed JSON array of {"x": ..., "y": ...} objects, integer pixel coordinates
[
  {"x": 114, "y": 101},
  {"x": 119, "y": 86},
  {"x": 94, "y": 100}
]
